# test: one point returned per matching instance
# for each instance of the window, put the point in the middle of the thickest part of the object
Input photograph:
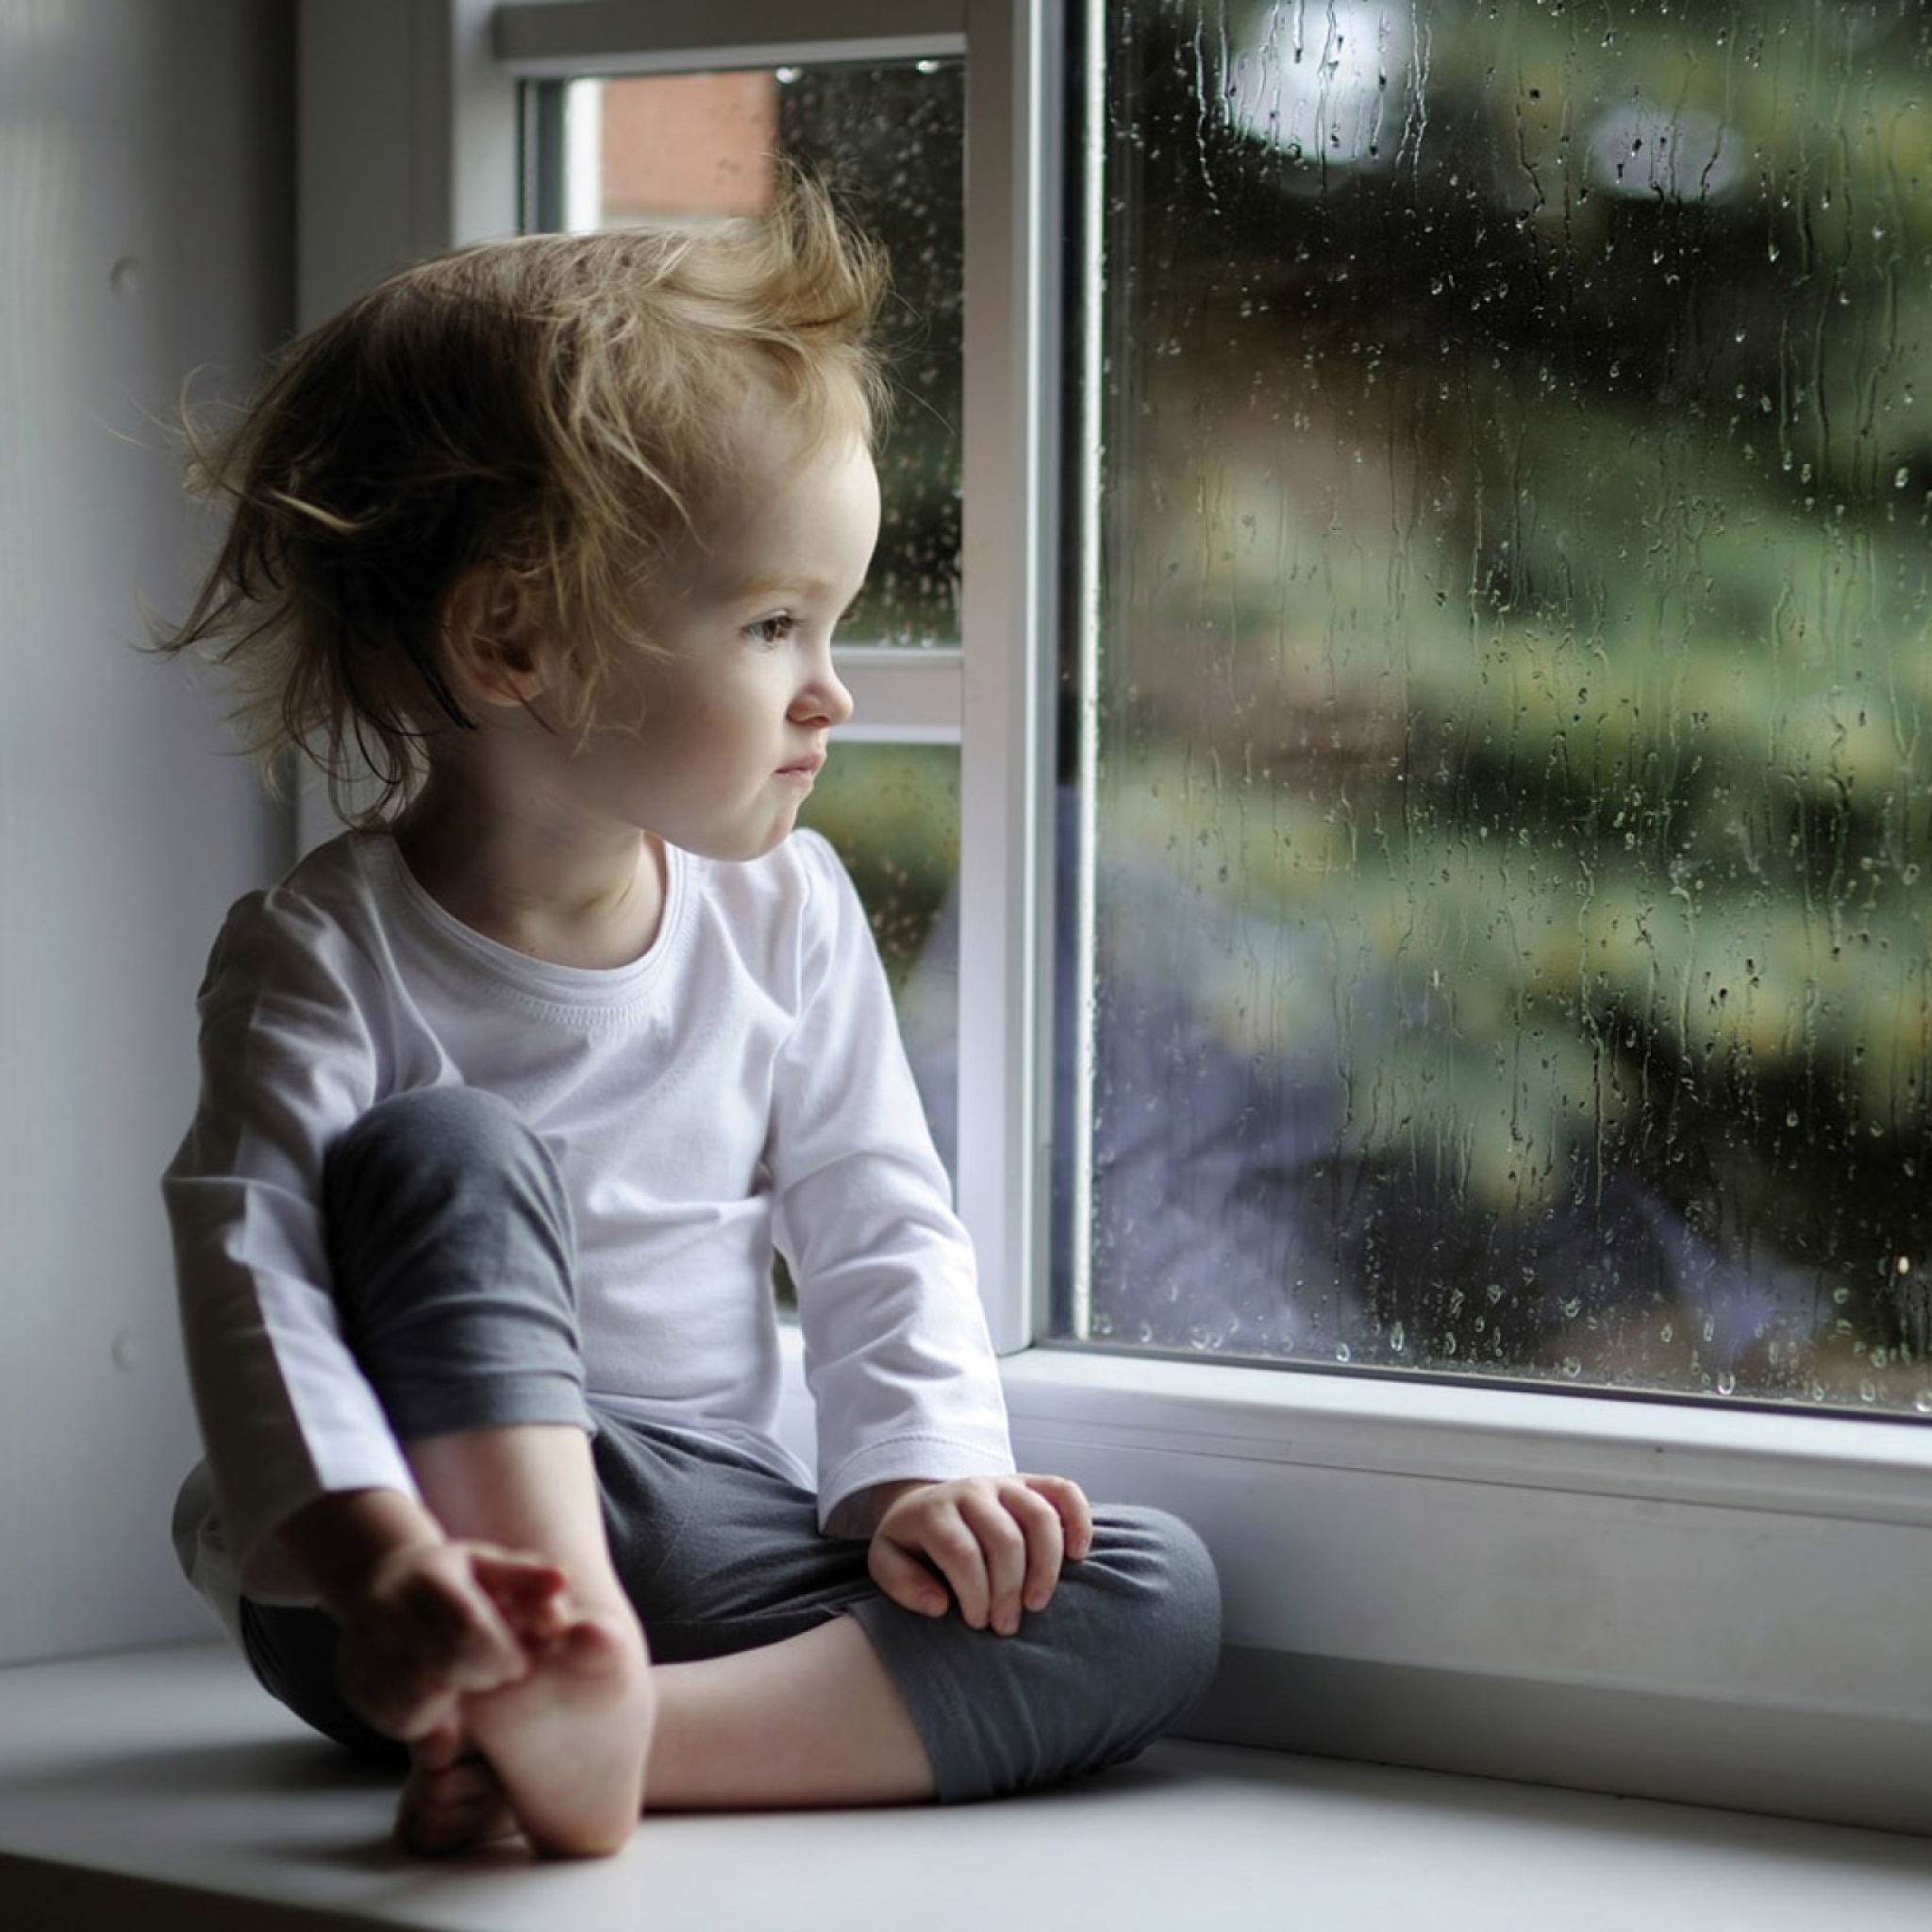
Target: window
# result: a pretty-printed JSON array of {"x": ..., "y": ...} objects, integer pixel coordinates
[
  {"x": 1505, "y": 824},
  {"x": 1693, "y": 1599}
]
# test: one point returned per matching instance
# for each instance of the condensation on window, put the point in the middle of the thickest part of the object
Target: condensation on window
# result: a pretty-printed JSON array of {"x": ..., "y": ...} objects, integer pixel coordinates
[
  {"x": 888, "y": 139},
  {"x": 1510, "y": 779}
]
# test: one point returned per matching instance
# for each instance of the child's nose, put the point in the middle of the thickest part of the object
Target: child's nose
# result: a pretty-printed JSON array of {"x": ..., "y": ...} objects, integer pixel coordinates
[{"x": 825, "y": 700}]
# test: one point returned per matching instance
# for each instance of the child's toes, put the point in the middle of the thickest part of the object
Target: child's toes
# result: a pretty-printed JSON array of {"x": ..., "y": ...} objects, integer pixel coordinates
[
  {"x": 592, "y": 1653},
  {"x": 450, "y": 1808}
]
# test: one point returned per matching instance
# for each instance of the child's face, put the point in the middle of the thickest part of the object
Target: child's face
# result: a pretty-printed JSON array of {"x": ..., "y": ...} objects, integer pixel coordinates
[{"x": 713, "y": 741}]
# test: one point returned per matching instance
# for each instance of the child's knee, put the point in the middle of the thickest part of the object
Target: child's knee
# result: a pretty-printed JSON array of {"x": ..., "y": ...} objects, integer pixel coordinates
[
  {"x": 428, "y": 1135},
  {"x": 1159, "y": 1604},
  {"x": 1126, "y": 1645},
  {"x": 448, "y": 1167},
  {"x": 453, "y": 1262}
]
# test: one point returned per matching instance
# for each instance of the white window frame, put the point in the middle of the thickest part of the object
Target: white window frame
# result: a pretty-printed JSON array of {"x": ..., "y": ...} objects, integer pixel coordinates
[{"x": 1677, "y": 1599}]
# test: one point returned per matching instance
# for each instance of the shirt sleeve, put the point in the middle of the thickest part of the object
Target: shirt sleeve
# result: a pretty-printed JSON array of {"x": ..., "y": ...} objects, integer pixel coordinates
[
  {"x": 288, "y": 1062},
  {"x": 897, "y": 1356}
]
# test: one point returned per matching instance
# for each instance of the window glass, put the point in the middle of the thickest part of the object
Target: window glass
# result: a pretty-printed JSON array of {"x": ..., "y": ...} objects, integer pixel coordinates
[
  {"x": 893, "y": 813},
  {"x": 888, "y": 139},
  {"x": 1506, "y": 798}
]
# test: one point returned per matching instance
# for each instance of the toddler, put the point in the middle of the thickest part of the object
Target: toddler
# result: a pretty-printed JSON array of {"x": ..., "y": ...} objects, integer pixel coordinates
[{"x": 510, "y": 1093}]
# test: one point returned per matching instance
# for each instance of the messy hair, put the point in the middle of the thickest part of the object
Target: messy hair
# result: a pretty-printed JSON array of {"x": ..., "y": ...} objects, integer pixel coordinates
[{"x": 554, "y": 408}]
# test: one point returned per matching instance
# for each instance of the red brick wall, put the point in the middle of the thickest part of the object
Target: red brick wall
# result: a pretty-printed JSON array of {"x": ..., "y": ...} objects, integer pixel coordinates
[{"x": 687, "y": 145}]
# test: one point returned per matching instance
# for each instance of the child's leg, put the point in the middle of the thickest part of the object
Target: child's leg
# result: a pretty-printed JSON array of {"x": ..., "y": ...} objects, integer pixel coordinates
[
  {"x": 450, "y": 1240},
  {"x": 451, "y": 1243},
  {"x": 726, "y": 1564},
  {"x": 814, "y": 1720},
  {"x": 1128, "y": 1644},
  {"x": 462, "y": 1262},
  {"x": 568, "y": 1744}
]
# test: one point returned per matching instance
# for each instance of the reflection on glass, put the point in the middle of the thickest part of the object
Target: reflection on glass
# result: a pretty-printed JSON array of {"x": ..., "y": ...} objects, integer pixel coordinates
[
  {"x": 1513, "y": 780},
  {"x": 890, "y": 140}
]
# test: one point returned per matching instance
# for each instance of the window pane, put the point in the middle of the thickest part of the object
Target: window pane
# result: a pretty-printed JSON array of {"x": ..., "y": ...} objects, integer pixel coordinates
[
  {"x": 1510, "y": 776},
  {"x": 893, "y": 812},
  {"x": 889, "y": 139}
]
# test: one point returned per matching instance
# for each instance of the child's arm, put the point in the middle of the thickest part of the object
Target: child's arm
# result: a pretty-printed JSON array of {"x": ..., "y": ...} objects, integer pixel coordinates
[
  {"x": 294, "y": 1047},
  {"x": 997, "y": 1541},
  {"x": 897, "y": 1356},
  {"x": 425, "y": 1619}
]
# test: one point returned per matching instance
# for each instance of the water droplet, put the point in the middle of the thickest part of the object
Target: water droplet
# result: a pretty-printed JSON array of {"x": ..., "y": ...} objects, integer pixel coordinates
[
  {"x": 1341, "y": 1351},
  {"x": 126, "y": 1351},
  {"x": 1572, "y": 1367},
  {"x": 1727, "y": 1383}
]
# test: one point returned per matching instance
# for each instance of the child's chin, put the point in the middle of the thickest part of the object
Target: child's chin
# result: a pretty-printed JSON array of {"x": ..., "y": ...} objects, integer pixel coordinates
[{"x": 742, "y": 851}]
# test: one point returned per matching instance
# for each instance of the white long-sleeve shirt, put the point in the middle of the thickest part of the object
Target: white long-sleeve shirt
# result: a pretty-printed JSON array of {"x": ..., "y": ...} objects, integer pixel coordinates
[{"x": 741, "y": 1084}]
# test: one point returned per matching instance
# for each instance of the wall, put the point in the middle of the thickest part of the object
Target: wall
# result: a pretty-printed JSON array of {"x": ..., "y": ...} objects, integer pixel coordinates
[{"x": 146, "y": 183}]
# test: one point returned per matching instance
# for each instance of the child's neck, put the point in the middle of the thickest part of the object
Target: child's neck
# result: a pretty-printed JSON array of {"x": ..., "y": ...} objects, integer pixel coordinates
[{"x": 573, "y": 898}]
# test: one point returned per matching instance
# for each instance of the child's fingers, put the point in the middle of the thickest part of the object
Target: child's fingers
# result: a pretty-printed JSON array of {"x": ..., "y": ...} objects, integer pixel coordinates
[
  {"x": 459, "y": 1631},
  {"x": 528, "y": 1592},
  {"x": 435, "y": 1635},
  {"x": 906, "y": 1579},
  {"x": 439, "y": 1748},
  {"x": 515, "y": 1572},
  {"x": 400, "y": 1700},
  {"x": 930, "y": 1525},
  {"x": 1045, "y": 1546},
  {"x": 1075, "y": 1511},
  {"x": 1006, "y": 1520}
]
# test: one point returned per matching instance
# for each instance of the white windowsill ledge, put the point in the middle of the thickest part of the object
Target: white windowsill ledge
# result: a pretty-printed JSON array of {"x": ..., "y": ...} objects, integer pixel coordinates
[
  {"x": 162, "y": 1790},
  {"x": 1831, "y": 1464}
]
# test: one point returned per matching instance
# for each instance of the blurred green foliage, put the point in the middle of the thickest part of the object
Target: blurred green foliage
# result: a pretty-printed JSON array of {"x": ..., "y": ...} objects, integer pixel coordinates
[
  {"x": 891, "y": 813},
  {"x": 1519, "y": 570},
  {"x": 890, "y": 140}
]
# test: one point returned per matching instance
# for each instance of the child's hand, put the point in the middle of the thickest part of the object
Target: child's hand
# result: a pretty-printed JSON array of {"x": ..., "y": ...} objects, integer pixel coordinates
[
  {"x": 998, "y": 1542},
  {"x": 437, "y": 1622}
]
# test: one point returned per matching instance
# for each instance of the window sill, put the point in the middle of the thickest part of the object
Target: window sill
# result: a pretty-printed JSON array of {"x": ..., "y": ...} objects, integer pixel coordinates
[
  {"x": 1835, "y": 1465},
  {"x": 162, "y": 1790}
]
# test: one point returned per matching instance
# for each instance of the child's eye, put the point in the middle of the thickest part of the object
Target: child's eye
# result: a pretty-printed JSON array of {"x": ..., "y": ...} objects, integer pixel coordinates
[{"x": 774, "y": 629}]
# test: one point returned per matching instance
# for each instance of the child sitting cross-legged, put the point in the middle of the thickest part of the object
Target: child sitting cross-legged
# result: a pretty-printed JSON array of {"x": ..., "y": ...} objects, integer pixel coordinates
[{"x": 510, "y": 1093}]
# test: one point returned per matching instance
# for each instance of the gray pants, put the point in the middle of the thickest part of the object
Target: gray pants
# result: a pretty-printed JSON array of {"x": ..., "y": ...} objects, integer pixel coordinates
[{"x": 451, "y": 1242}]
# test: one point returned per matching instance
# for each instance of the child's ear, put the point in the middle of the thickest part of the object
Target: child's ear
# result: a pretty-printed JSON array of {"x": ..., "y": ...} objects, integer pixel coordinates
[{"x": 487, "y": 647}]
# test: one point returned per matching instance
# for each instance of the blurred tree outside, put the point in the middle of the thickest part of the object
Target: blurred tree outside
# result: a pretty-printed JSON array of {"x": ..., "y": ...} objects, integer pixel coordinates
[{"x": 1515, "y": 688}]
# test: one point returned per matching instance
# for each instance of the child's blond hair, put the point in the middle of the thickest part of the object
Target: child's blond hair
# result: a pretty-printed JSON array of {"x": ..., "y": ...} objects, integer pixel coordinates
[{"x": 552, "y": 407}]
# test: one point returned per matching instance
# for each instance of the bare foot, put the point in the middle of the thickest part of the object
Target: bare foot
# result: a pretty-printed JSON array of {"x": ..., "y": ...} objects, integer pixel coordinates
[{"x": 565, "y": 1747}]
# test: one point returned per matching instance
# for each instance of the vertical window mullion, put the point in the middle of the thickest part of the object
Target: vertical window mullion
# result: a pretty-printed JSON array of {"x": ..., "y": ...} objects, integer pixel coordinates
[
  {"x": 1088, "y": 411},
  {"x": 1007, "y": 622}
]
